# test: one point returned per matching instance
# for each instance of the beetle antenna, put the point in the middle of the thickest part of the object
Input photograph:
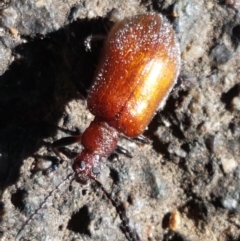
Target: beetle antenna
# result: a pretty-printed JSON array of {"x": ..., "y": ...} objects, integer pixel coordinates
[
  {"x": 19, "y": 233},
  {"x": 127, "y": 230}
]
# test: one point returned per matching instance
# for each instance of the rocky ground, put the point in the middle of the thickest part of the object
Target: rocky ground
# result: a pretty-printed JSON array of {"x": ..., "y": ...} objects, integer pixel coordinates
[{"x": 190, "y": 168}]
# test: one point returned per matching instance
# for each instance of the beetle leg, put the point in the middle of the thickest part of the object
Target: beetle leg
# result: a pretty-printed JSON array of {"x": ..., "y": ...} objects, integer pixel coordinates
[
  {"x": 65, "y": 141},
  {"x": 90, "y": 38},
  {"x": 142, "y": 139},
  {"x": 124, "y": 151}
]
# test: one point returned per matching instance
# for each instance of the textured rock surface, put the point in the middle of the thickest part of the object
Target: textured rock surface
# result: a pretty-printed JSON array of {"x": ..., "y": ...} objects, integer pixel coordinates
[{"x": 193, "y": 162}]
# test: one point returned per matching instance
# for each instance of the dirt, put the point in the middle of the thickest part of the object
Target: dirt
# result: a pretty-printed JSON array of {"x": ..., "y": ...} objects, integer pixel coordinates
[{"x": 188, "y": 173}]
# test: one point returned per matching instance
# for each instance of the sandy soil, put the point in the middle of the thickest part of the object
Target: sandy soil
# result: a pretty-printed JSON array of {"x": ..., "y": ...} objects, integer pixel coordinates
[{"x": 192, "y": 162}]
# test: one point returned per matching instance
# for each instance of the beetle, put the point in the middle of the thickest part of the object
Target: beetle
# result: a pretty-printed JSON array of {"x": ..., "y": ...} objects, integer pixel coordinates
[{"x": 138, "y": 68}]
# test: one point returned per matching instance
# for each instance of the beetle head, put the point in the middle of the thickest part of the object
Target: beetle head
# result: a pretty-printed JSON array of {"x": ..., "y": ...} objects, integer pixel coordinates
[{"x": 86, "y": 166}]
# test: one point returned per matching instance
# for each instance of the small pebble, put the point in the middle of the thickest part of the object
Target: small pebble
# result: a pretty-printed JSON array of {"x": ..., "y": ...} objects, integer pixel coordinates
[
  {"x": 43, "y": 164},
  {"x": 229, "y": 164},
  {"x": 235, "y": 103},
  {"x": 174, "y": 220},
  {"x": 14, "y": 32}
]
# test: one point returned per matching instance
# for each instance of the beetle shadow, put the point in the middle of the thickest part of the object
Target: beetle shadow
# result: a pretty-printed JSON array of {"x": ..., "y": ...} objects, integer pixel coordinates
[
  {"x": 46, "y": 74},
  {"x": 167, "y": 112}
]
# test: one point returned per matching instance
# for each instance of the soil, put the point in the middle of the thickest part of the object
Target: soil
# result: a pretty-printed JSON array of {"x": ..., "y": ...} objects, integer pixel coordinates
[{"x": 182, "y": 185}]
